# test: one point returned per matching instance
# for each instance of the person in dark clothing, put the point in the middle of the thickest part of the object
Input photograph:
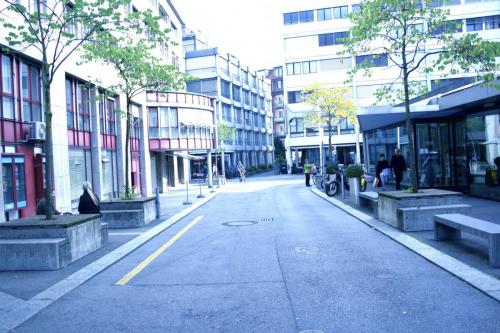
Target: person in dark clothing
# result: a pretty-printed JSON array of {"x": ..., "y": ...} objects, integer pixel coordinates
[
  {"x": 398, "y": 165},
  {"x": 381, "y": 165},
  {"x": 89, "y": 202},
  {"x": 40, "y": 207}
]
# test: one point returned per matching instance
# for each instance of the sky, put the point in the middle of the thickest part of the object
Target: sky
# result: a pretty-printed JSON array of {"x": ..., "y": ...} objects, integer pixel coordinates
[{"x": 250, "y": 30}]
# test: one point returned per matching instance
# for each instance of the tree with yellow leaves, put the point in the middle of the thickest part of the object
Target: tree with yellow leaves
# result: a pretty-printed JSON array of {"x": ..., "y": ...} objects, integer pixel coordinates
[{"x": 330, "y": 105}]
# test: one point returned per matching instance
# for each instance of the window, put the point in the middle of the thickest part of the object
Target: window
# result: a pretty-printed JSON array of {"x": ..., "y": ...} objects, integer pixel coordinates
[
  {"x": 70, "y": 28},
  {"x": 110, "y": 117},
  {"x": 340, "y": 12},
  {"x": 297, "y": 125},
  {"x": 261, "y": 103},
  {"x": 356, "y": 8},
  {"x": 277, "y": 84},
  {"x": 294, "y": 97},
  {"x": 135, "y": 132},
  {"x": 109, "y": 174},
  {"x": 153, "y": 123},
  {"x": 335, "y": 38},
  {"x": 440, "y": 3},
  {"x": 448, "y": 27},
  {"x": 278, "y": 71},
  {"x": 298, "y": 17},
  {"x": 246, "y": 97},
  {"x": 236, "y": 93},
  {"x": 372, "y": 60},
  {"x": 70, "y": 109},
  {"x": 309, "y": 67},
  {"x": 254, "y": 100},
  {"x": 239, "y": 115},
  {"x": 14, "y": 182},
  {"x": 7, "y": 89},
  {"x": 80, "y": 169},
  {"x": 227, "y": 112},
  {"x": 324, "y": 14},
  {"x": 346, "y": 127},
  {"x": 306, "y": 16},
  {"x": 225, "y": 89},
  {"x": 291, "y": 18},
  {"x": 83, "y": 103},
  {"x": 294, "y": 68},
  {"x": 30, "y": 81},
  {"x": 162, "y": 123},
  {"x": 492, "y": 22},
  {"x": 474, "y": 24}
]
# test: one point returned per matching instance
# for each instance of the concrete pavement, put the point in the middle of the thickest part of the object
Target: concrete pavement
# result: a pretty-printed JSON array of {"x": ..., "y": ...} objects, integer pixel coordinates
[{"x": 270, "y": 256}]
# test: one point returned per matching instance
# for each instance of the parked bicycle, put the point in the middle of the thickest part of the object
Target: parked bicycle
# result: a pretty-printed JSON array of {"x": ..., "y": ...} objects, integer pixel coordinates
[{"x": 332, "y": 187}]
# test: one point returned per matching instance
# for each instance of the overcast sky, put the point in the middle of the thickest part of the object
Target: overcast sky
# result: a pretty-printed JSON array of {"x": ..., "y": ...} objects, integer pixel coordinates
[{"x": 250, "y": 30}]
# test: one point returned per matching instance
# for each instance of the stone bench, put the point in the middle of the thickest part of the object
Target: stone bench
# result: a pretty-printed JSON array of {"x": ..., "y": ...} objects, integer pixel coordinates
[
  {"x": 119, "y": 219},
  {"x": 450, "y": 226},
  {"x": 134, "y": 213},
  {"x": 369, "y": 199},
  {"x": 34, "y": 254},
  {"x": 33, "y": 243},
  {"x": 421, "y": 217}
]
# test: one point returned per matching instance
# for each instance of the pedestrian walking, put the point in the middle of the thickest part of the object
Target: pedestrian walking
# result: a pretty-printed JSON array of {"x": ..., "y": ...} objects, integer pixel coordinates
[
  {"x": 214, "y": 170},
  {"x": 241, "y": 171},
  {"x": 380, "y": 168},
  {"x": 89, "y": 202},
  {"x": 398, "y": 166},
  {"x": 307, "y": 172}
]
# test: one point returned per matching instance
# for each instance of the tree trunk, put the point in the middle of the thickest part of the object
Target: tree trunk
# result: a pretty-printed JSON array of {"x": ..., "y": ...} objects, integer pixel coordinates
[
  {"x": 409, "y": 130},
  {"x": 329, "y": 141},
  {"x": 127, "y": 148},
  {"x": 49, "y": 153}
]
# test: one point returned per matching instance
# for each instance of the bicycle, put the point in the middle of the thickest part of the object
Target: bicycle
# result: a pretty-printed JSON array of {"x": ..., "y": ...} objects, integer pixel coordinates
[{"x": 332, "y": 187}]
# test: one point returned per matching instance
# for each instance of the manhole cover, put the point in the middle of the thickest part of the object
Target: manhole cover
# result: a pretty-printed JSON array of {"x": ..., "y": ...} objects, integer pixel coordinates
[{"x": 239, "y": 223}]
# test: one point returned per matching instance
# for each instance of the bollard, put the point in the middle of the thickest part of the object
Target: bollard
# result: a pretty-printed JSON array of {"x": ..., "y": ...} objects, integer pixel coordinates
[
  {"x": 200, "y": 195},
  {"x": 157, "y": 203},
  {"x": 187, "y": 202},
  {"x": 342, "y": 184}
]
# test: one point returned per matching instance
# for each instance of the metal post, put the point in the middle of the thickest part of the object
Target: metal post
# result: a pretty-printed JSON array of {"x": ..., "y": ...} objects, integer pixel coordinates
[
  {"x": 200, "y": 195},
  {"x": 157, "y": 202},
  {"x": 342, "y": 182},
  {"x": 187, "y": 202}
]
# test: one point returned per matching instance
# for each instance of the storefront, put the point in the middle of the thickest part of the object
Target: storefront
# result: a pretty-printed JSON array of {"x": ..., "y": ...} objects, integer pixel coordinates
[{"x": 456, "y": 141}]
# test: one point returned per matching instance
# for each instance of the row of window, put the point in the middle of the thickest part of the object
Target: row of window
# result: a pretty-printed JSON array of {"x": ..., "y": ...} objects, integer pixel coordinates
[
  {"x": 250, "y": 138},
  {"x": 322, "y": 14},
  {"x": 243, "y": 116},
  {"x": 242, "y": 95},
  {"x": 296, "y": 126},
  {"x": 24, "y": 104}
]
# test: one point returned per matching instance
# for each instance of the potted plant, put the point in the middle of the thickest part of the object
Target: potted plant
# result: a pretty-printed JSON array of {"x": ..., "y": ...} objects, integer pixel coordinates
[{"x": 354, "y": 173}]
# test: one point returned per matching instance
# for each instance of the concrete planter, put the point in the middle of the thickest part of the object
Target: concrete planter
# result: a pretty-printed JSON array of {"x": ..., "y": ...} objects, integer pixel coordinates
[
  {"x": 415, "y": 211},
  {"x": 135, "y": 213},
  {"x": 354, "y": 189},
  {"x": 34, "y": 243}
]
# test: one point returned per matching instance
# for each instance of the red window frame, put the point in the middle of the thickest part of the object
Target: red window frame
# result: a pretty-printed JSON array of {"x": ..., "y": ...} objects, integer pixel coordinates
[
  {"x": 5, "y": 94},
  {"x": 84, "y": 111},
  {"x": 110, "y": 116},
  {"x": 29, "y": 100},
  {"x": 70, "y": 105}
]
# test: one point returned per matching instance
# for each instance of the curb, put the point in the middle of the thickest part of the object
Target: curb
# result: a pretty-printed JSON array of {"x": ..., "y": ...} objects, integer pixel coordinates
[
  {"x": 14, "y": 315},
  {"x": 474, "y": 277}
]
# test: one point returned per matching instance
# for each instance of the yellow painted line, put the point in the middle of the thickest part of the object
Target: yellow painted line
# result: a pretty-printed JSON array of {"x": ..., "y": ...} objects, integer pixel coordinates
[{"x": 130, "y": 275}]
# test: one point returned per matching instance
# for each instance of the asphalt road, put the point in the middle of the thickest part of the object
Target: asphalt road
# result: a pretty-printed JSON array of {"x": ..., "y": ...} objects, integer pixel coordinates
[{"x": 270, "y": 256}]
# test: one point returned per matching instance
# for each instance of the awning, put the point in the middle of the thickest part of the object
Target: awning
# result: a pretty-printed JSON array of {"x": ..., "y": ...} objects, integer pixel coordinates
[{"x": 185, "y": 155}]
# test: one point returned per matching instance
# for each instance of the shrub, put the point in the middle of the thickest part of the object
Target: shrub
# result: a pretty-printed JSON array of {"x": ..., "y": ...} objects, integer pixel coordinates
[
  {"x": 354, "y": 171},
  {"x": 497, "y": 161},
  {"x": 331, "y": 168}
]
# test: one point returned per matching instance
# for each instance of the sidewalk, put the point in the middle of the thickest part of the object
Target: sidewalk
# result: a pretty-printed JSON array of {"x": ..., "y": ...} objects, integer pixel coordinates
[
  {"x": 471, "y": 250},
  {"x": 15, "y": 285}
]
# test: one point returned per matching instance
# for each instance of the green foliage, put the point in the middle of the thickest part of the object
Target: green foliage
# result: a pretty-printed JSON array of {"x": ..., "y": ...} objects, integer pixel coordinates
[
  {"x": 280, "y": 159},
  {"x": 497, "y": 161},
  {"x": 331, "y": 168},
  {"x": 330, "y": 105},
  {"x": 354, "y": 171},
  {"x": 225, "y": 133},
  {"x": 129, "y": 193}
]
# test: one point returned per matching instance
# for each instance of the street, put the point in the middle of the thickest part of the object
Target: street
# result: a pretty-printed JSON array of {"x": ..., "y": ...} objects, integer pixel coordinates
[{"x": 270, "y": 256}]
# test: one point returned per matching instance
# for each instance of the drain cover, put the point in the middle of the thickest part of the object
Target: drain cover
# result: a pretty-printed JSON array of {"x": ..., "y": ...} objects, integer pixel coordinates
[
  {"x": 266, "y": 219},
  {"x": 307, "y": 250},
  {"x": 239, "y": 223}
]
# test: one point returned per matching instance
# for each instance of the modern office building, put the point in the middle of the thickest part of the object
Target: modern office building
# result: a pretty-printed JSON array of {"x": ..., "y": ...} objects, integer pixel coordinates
[
  {"x": 243, "y": 102},
  {"x": 312, "y": 39},
  {"x": 89, "y": 130}
]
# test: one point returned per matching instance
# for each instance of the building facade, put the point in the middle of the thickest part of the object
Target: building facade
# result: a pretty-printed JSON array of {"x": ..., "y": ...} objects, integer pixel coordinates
[
  {"x": 89, "y": 130},
  {"x": 312, "y": 39},
  {"x": 243, "y": 103}
]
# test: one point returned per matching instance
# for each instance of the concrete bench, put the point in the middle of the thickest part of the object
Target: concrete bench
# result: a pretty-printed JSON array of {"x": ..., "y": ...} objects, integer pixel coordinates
[
  {"x": 34, "y": 254},
  {"x": 421, "y": 217},
  {"x": 450, "y": 226},
  {"x": 369, "y": 199},
  {"x": 124, "y": 218}
]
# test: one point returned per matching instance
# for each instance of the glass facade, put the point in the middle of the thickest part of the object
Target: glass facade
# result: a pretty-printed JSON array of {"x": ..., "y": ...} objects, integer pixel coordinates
[{"x": 461, "y": 154}]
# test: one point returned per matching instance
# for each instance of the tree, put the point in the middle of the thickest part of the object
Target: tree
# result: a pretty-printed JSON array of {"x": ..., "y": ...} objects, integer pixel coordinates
[
  {"x": 416, "y": 37},
  {"x": 224, "y": 133},
  {"x": 279, "y": 151},
  {"x": 53, "y": 30},
  {"x": 138, "y": 70},
  {"x": 330, "y": 106}
]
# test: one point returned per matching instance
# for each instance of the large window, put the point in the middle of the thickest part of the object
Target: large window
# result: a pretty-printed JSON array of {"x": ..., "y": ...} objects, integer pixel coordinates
[
  {"x": 340, "y": 12},
  {"x": 107, "y": 115},
  {"x": 14, "y": 182},
  {"x": 448, "y": 27},
  {"x": 225, "y": 89},
  {"x": 77, "y": 94},
  {"x": 109, "y": 174},
  {"x": 80, "y": 170},
  {"x": 373, "y": 60},
  {"x": 346, "y": 127},
  {"x": 334, "y": 38},
  {"x": 296, "y": 126},
  {"x": 474, "y": 24},
  {"x": 32, "y": 104},
  {"x": 294, "y": 97},
  {"x": 7, "y": 88},
  {"x": 236, "y": 93},
  {"x": 227, "y": 113},
  {"x": 492, "y": 22},
  {"x": 324, "y": 14},
  {"x": 298, "y": 17},
  {"x": 161, "y": 120}
]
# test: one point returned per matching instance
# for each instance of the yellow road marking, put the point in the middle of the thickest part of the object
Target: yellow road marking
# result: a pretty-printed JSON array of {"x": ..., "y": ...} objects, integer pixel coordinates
[{"x": 130, "y": 275}]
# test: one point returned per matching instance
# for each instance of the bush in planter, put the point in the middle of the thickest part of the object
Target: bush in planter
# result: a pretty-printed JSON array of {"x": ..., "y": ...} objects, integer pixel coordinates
[
  {"x": 331, "y": 168},
  {"x": 354, "y": 171}
]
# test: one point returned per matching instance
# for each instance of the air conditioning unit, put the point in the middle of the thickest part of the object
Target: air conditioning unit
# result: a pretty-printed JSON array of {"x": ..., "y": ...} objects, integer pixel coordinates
[{"x": 37, "y": 131}]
